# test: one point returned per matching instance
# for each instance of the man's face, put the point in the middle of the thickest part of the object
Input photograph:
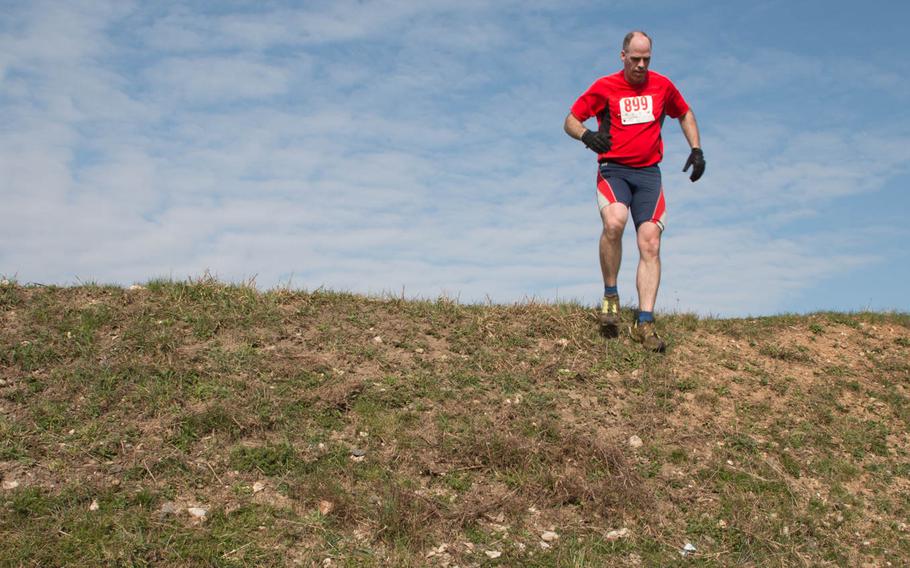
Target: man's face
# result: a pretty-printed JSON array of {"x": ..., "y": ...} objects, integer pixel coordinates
[{"x": 635, "y": 61}]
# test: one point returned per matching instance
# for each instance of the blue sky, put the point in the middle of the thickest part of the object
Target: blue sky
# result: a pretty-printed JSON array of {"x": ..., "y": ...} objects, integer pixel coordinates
[{"x": 417, "y": 147}]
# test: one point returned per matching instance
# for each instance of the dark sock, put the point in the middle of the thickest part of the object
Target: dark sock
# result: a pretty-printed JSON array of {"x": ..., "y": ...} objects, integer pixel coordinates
[
  {"x": 645, "y": 317},
  {"x": 611, "y": 291}
]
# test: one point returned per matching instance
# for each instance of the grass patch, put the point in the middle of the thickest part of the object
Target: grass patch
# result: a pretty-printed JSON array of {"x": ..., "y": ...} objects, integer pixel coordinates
[{"x": 474, "y": 427}]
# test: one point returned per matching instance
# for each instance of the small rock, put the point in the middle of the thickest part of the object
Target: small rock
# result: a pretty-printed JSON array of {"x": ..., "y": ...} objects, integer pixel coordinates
[
  {"x": 327, "y": 562},
  {"x": 326, "y": 507},
  {"x": 363, "y": 434},
  {"x": 493, "y": 554},
  {"x": 94, "y": 505},
  {"x": 544, "y": 545},
  {"x": 135, "y": 287},
  {"x": 721, "y": 524},
  {"x": 688, "y": 549},
  {"x": 358, "y": 459},
  {"x": 258, "y": 486},
  {"x": 358, "y": 453},
  {"x": 499, "y": 517},
  {"x": 3, "y": 382},
  {"x": 11, "y": 484},
  {"x": 562, "y": 341},
  {"x": 635, "y": 442},
  {"x": 167, "y": 508},
  {"x": 615, "y": 535},
  {"x": 197, "y": 512},
  {"x": 549, "y": 536},
  {"x": 377, "y": 340},
  {"x": 418, "y": 350}
]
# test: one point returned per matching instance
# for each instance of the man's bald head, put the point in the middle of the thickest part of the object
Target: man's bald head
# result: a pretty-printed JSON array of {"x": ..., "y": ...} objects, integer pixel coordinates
[
  {"x": 627, "y": 41},
  {"x": 636, "y": 56}
]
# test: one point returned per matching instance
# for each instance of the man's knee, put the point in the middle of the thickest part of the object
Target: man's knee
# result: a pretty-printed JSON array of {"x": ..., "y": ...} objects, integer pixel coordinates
[
  {"x": 649, "y": 240},
  {"x": 614, "y": 220}
]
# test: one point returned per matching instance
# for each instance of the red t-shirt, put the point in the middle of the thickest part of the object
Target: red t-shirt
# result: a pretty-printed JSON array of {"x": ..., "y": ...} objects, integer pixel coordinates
[{"x": 636, "y": 114}]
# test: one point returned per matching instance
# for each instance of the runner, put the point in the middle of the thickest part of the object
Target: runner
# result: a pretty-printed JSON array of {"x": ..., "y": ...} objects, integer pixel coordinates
[{"x": 630, "y": 107}]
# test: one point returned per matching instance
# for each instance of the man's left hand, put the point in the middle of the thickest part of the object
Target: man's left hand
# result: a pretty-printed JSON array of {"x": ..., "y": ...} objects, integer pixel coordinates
[{"x": 697, "y": 161}]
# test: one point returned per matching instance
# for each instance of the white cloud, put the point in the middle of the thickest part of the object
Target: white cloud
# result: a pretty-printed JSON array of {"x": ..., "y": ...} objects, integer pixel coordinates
[
  {"x": 204, "y": 80},
  {"x": 380, "y": 145}
]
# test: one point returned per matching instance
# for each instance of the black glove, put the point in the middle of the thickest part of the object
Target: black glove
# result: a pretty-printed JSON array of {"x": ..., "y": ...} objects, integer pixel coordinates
[
  {"x": 697, "y": 161},
  {"x": 598, "y": 141}
]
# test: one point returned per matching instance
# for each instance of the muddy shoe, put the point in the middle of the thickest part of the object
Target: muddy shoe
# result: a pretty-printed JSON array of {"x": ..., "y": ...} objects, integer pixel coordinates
[
  {"x": 609, "y": 312},
  {"x": 644, "y": 333}
]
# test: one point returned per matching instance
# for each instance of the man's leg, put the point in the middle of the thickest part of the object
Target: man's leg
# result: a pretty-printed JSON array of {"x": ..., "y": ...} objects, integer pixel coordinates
[
  {"x": 648, "y": 276},
  {"x": 614, "y": 218}
]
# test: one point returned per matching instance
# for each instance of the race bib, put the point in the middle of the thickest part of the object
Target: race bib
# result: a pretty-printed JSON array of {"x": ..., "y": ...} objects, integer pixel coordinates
[{"x": 636, "y": 110}]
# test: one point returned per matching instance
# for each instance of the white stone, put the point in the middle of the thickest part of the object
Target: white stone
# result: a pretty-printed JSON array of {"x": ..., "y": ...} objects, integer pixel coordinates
[
  {"x": 197, "y": 512},
  {"x": 377, "y": 339},
  {"x": 493, "y": 554},
  {"x": 258, "y": 486},
  {"x": 11, "y": 484},
  {"x": 549, "y": 536},
  {"x": 617, "y": 534},
  {"x": 167, "y": 508},
  {"x": 635, "y": 442},
  {"x": 94, "y": 505}
]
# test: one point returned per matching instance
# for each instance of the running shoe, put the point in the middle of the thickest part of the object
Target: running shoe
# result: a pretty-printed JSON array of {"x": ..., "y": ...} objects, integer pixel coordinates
[
  {"x": 644, "y": 333},
  {"x": 609, "y": 311}
]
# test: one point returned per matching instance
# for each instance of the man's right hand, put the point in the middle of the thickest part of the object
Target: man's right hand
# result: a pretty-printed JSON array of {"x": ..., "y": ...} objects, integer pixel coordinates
[{"x": 598, "y": 141}]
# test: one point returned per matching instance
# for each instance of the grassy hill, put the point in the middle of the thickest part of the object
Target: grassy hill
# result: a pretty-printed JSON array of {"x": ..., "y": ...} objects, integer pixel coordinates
[{"x": 204, "y": 424}]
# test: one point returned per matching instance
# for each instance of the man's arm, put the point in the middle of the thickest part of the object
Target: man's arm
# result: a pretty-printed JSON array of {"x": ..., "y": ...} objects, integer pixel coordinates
[
  {"x": 690, "y": 129},
  {"x": 574, "y": 127},
  {"x": 696, "y": 157},
  {"x": 599, "y": 142}
]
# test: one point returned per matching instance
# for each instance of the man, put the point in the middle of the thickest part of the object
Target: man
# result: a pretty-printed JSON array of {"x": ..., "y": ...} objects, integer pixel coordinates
[{"x": 630, "y": 107}]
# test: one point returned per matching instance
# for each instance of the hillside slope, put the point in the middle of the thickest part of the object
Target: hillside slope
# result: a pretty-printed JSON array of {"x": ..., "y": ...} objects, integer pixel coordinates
[{"x": 205, "y": 424}]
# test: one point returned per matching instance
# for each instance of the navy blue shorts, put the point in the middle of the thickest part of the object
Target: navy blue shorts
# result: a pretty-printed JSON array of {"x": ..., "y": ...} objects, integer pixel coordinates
[{"x": 640, "y": 189}]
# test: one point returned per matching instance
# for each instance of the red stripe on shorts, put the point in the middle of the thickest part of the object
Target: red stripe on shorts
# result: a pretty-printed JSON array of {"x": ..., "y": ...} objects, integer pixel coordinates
[
  {"x": 603, "y": 186},
  {"x": 660, "y": 210}
]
